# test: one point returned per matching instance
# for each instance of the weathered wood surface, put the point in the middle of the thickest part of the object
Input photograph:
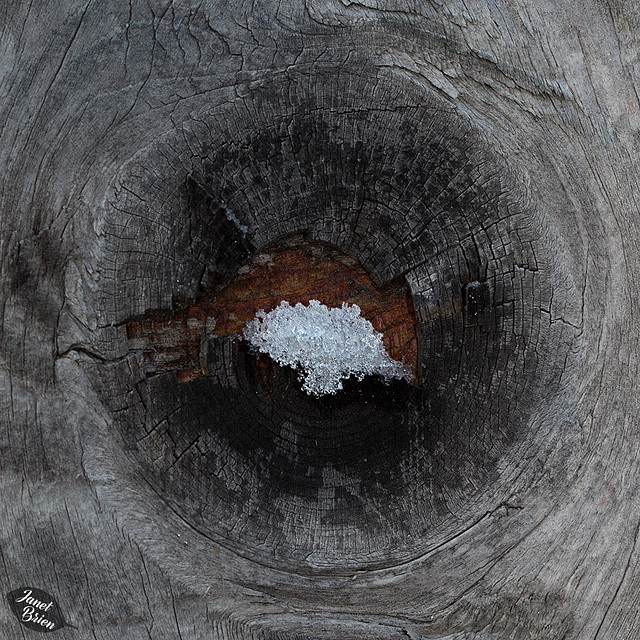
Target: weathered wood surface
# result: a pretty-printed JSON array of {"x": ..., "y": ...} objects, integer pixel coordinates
[{"x": 487, "y": 153}]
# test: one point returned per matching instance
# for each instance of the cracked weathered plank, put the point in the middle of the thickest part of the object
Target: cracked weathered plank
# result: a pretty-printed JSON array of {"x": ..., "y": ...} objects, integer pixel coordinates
[{"x": 483, "y": 152}]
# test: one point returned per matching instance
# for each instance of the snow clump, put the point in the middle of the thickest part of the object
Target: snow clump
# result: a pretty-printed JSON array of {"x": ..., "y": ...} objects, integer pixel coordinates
[{"x": 327, "y": 345}]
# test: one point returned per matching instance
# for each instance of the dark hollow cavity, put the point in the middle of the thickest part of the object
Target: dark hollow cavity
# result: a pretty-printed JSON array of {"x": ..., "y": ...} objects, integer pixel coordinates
[{"x": 378, "y": 474}]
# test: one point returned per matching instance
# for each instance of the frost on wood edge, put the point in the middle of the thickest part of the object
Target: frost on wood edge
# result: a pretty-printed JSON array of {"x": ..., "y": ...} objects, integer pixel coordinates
[{"x": 327, "y": 345}]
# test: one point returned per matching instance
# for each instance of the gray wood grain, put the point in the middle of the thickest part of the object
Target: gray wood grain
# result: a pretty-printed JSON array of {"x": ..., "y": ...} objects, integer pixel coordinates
[{"x": 484, "y": 151}]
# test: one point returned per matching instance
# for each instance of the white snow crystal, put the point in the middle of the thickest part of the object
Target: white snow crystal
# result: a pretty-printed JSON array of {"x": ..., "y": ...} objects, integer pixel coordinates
[{"x": 327, "y": 345}]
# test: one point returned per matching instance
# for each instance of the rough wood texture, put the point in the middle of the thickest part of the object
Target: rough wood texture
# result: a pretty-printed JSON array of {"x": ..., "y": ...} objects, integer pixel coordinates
[{"x": 484, "y": 152}]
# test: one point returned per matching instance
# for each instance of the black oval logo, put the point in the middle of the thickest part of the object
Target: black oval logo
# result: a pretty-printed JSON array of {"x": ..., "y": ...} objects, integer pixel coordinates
[{"x": 36, "y": 609}]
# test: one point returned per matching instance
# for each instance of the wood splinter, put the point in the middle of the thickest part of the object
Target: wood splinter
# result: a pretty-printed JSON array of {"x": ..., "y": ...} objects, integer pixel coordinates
[{"x": 294, "y": 270}]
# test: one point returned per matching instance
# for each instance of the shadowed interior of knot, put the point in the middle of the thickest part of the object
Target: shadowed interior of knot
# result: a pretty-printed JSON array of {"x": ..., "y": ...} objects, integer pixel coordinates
[{"x": 405, "y": 211}]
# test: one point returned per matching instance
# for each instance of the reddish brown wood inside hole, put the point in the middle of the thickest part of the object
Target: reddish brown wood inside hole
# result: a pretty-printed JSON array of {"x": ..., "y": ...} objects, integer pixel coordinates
[{"x": 296, "y": 271}]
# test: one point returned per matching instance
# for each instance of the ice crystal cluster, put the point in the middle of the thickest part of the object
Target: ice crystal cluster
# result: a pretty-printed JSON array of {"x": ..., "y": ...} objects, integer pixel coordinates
[{"x": 326, "y": 345}]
